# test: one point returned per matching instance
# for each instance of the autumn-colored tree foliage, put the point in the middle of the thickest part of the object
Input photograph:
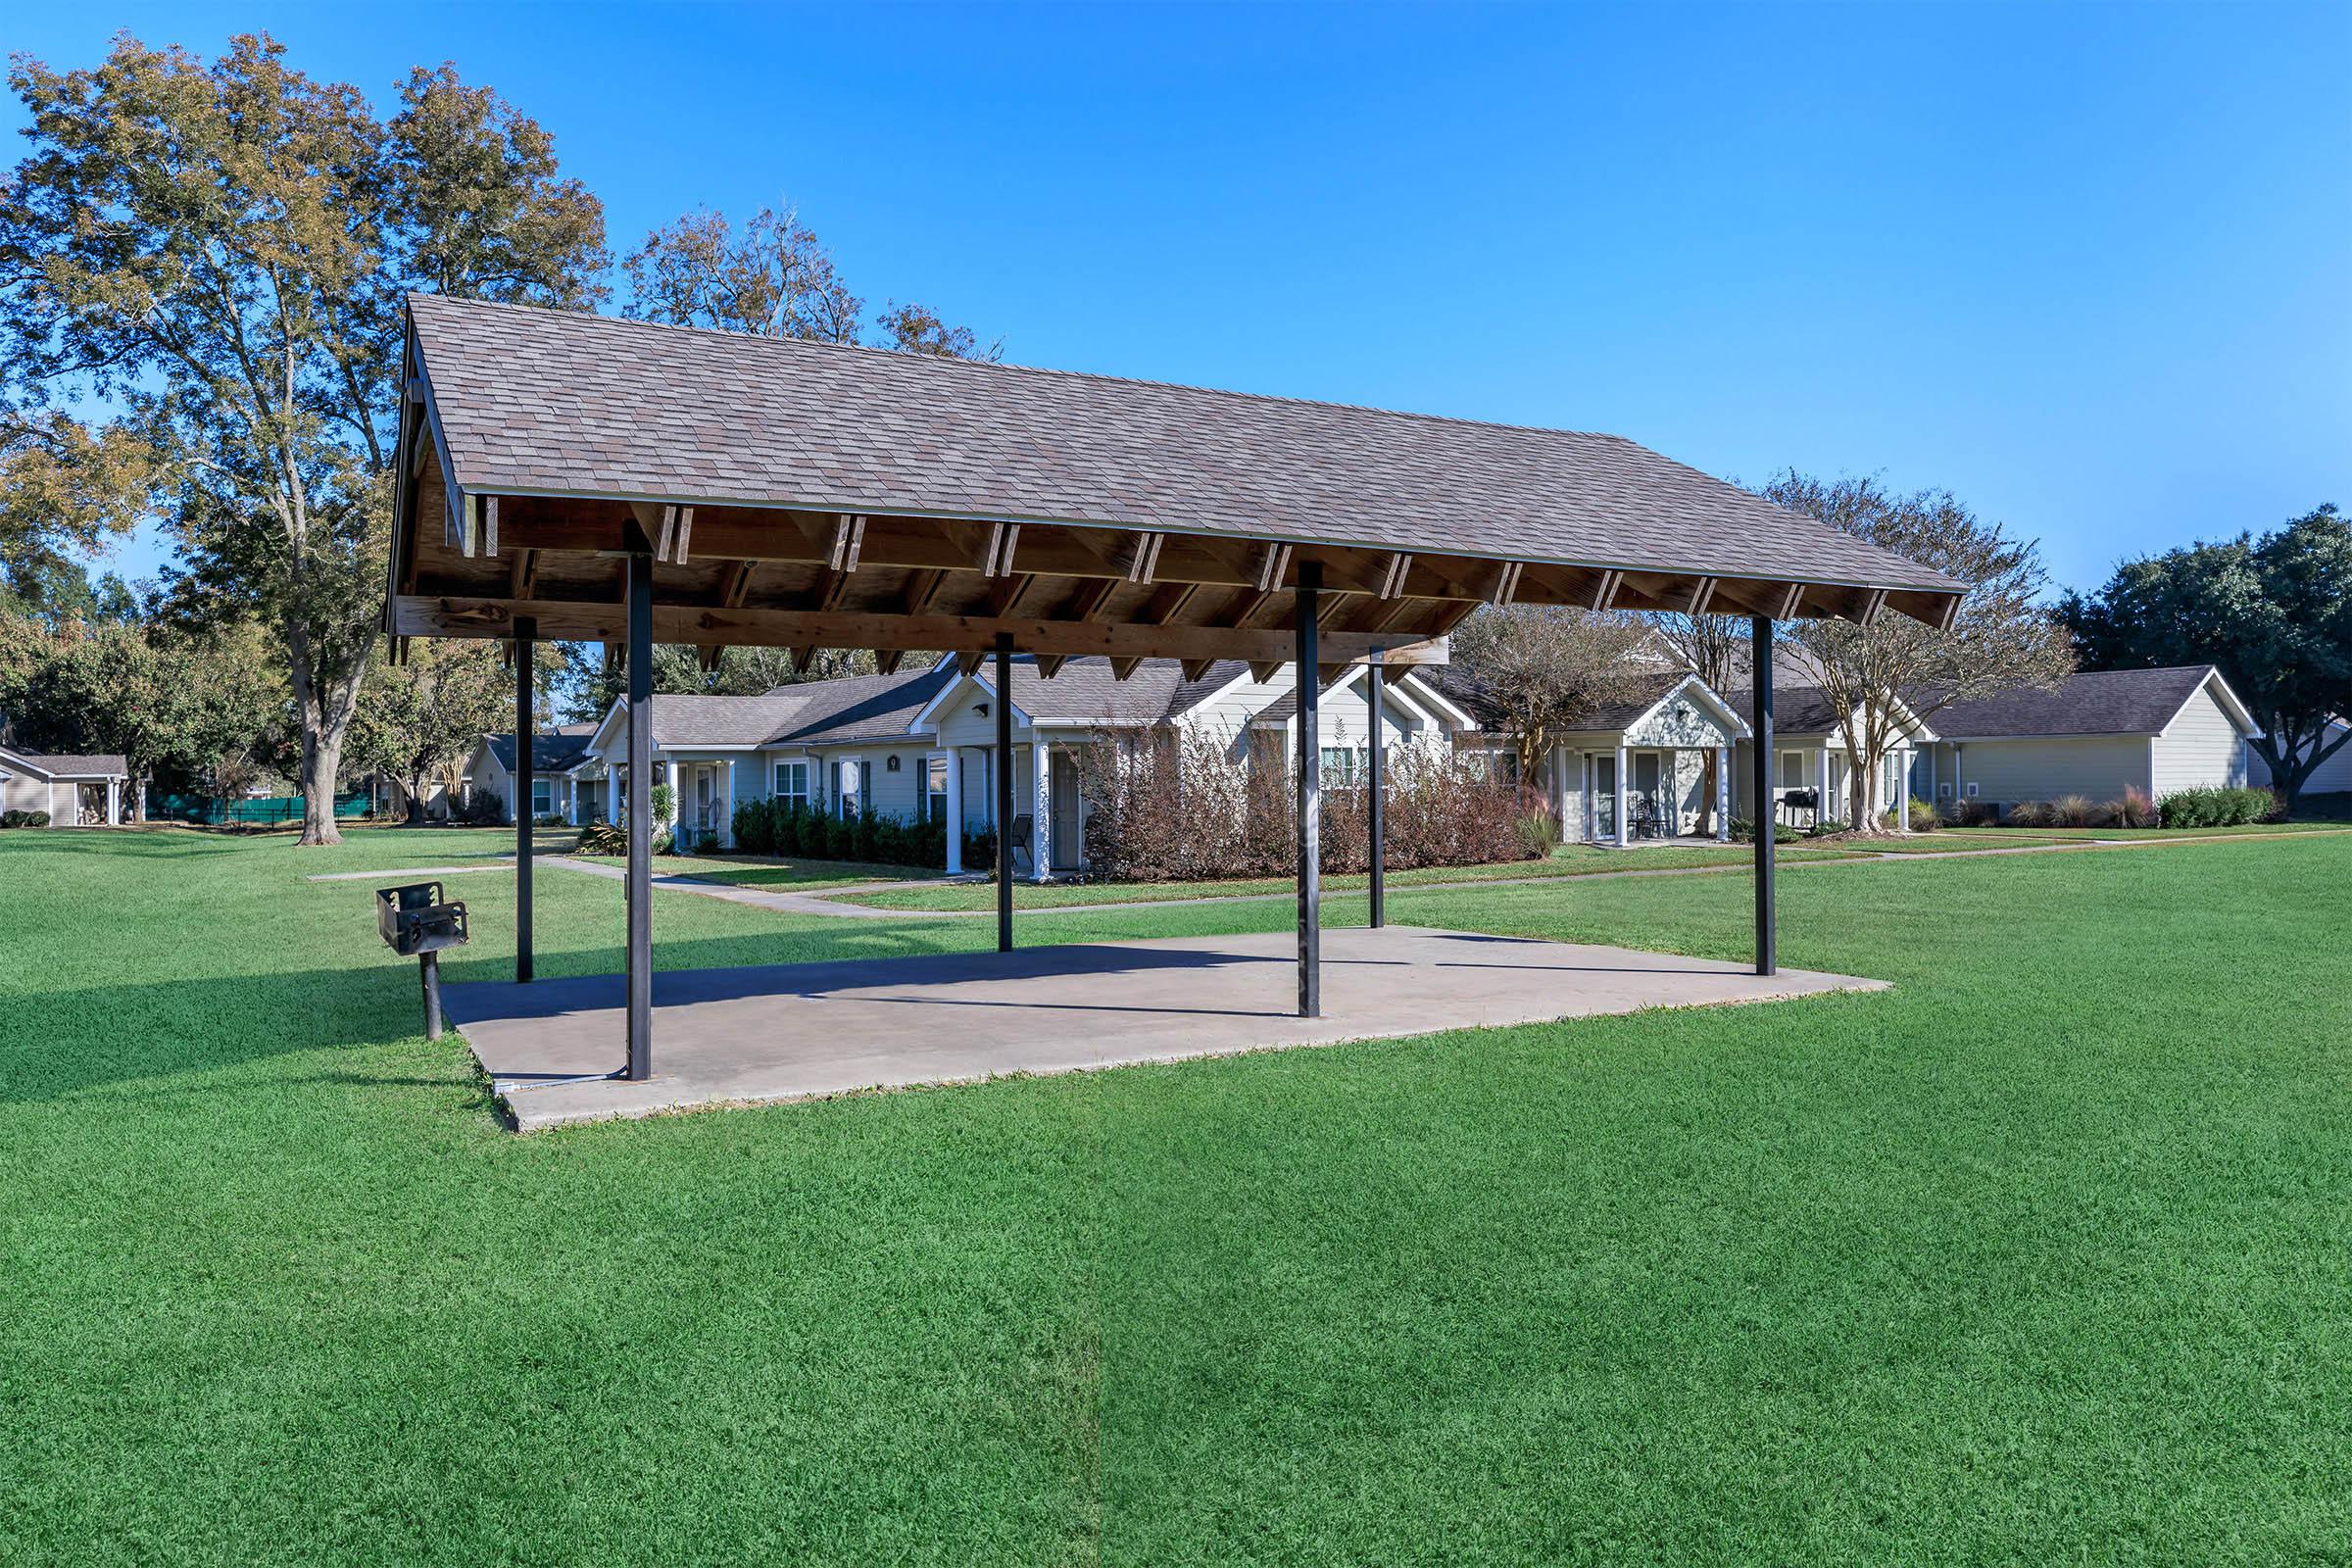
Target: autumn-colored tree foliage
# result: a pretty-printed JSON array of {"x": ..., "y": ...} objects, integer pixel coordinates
[{"x": 201, "y": 266}]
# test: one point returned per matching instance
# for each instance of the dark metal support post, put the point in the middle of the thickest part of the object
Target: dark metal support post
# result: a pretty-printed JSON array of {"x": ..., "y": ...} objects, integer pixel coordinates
[
  {"x": 1309, "y": 805},
  {"x": 428, "y": 972},
  {"x": 640, "y": 882},
  {"x": 1003, "y": 791},
  {"x": 526, "y": 631},
  {"x": 1376, "y": 786},
  {"x": 1761, "y": 814}
]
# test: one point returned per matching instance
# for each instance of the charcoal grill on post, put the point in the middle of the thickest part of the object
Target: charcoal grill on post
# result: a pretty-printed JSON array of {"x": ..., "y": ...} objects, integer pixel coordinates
[{"x": 416, "y": 921}]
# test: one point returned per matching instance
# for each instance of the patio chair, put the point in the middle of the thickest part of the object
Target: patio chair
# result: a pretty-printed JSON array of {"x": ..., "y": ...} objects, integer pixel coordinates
[
  {"x": 1646, "y": 820},
  {"x": 1023, "y": 827}
]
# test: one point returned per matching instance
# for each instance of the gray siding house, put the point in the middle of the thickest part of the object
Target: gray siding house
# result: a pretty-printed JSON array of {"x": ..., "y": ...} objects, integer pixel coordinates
[
  {"x": 2099, "y": 733},
  {"x": 555, "y": 787}
]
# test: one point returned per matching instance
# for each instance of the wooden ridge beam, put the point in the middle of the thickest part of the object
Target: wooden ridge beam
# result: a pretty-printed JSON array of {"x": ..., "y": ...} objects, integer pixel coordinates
[{"x": 424, "y": 615}]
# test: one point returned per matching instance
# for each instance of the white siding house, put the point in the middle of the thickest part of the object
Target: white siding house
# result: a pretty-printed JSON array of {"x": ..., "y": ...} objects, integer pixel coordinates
[
  {"x": 921, "y": 744},
  {"x": 2334, "y": 775},
  {"x": 78, "y": 791}
]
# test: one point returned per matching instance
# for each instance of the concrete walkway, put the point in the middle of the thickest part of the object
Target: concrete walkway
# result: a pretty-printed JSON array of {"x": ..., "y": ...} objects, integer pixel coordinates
[{"x": 781, "y": 1032}]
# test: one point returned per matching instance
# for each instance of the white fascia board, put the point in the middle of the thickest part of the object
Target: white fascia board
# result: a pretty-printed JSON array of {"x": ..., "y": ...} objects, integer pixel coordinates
[
  {"x": 29, "y": 769},
  {"x": 1706, "y": 697},
  {"x": 2237, "y": 711},
  {"x": 1426, "y": 696}
]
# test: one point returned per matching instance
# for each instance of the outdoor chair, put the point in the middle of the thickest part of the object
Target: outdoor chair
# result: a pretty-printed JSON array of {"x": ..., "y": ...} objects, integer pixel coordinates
[{"x": 1023, "y": 827}]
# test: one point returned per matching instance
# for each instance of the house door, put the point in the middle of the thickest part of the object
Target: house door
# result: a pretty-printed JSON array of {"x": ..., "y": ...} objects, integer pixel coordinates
[
  {"x": 706, "y": 799},
  {"x": 1604, "y": 796}
]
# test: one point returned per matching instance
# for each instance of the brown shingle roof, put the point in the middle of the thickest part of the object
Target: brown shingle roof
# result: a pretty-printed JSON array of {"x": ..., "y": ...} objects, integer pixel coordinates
[{"x": 537, "y": 401}]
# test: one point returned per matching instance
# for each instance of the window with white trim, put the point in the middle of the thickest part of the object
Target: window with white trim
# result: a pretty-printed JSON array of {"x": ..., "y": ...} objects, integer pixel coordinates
[
  {"x": 792, "y": 783},
  {"x": 935, "y": 788},
  {"x": 1347, "y": 767},
  {"x": 543, "y": 796}
]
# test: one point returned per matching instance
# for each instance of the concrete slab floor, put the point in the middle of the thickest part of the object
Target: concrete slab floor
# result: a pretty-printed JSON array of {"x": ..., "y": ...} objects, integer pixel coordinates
[{"x": 781, "y": 1032}]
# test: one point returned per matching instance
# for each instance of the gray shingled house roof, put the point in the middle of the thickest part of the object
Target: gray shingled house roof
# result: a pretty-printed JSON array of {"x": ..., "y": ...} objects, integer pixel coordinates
[
  {"x": 550, "y": 752},
  {"x": 859, "y": 707},
  {"x": 539, "y": 402},
  {"x": 1464, "y": 688},
  {"x": 2112, "y": 702},
  {"x": 65, "y": 764}
]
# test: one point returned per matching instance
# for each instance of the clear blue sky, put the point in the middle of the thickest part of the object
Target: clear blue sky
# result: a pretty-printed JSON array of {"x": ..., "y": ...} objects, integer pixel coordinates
[{"x": 2090, "y": 267}]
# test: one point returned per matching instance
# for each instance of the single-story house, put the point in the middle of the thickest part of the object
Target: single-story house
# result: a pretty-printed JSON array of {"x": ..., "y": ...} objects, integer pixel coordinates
[
  {"x": 555, "y": 755},
  {"x": 2099, "y": 734},
  {"x": 1655, "y": 766},
  {"x": 1813, "y": 762},
  {"x": 76, "y": 791},
  {"x": 919, "y": 744},
  {"x": 2334, "y": 775}
]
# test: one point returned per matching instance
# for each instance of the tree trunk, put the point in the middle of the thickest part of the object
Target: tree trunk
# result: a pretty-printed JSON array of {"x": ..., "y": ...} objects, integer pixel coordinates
[{"x": 321, "y": 760}]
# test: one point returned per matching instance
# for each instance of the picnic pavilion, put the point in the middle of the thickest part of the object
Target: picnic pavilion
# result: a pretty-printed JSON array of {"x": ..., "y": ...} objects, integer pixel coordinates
[{"x": 571, "y": 476}]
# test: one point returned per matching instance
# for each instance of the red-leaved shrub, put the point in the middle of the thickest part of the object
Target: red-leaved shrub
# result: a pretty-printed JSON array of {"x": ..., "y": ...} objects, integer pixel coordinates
[{"x": 1180, "y": 807}]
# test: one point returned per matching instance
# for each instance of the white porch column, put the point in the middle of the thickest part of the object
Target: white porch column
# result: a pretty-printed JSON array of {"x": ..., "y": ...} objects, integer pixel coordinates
[
  {"x": 1821, "y": 812},
  {"x": 726, "y": 829},
  {"x": 612, "y": 797},
  {"x": 678, "y": 804},
  {"x": 1902, "y": 789},
  {"x": 1041, "y": 810},
  {"x": 1723, "y": 795},
  {"x": 142, "y": 800},
  {"x": 955, "y": 811},
  {"x": 114, "y": 802},
  {"x": 1623, "y": 826}
]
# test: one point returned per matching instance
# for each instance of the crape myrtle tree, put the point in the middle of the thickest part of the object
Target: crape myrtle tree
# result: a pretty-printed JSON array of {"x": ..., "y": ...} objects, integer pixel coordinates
[
  {"x": 1542, "y": 668},
  {"x": 2272, "y": 614},
  {"x": 424, "y": 718},
  {"x": 202, "y": 267},
  {"x": 770, "y": 276},
  {"x": 2004, "y": 637}
]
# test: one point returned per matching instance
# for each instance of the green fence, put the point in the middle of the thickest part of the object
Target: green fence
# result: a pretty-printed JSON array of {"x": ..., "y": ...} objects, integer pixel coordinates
[{"x": 267, "y": 812}]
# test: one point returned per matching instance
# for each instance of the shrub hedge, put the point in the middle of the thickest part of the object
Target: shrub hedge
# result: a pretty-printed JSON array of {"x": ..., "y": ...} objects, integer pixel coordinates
[
  {"x": 790, "y": 828},
  {"x": 24, "y": 818},
  {"x": 2217, "y": 807}
]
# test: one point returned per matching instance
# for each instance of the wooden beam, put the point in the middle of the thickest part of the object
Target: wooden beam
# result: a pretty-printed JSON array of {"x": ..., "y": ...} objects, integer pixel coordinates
[
  {"x": 1792, "y": 603},
  {"x": 489, "y": 525},
  {"x": 1049, "y": 666},
  {"x": 1005, "y": 591},
  {"x": 1507, "y": 584},
  {"x": 737, "y": 583},
  {"x": 968, "y": 664},
  {"x": 685, "y": 532},
  {"x": 524, "y": 578},
  {"x": 922, "y": 590},
  {"x": 1391, "y": 580},
  {"x": 888, "y": 659},
  {"x": 849, "y": 538},
  {"x": 1605, "y": 595},
  {"x": 1700, "y": 592},
  {"x": 1093, "y": 597},
  {"x": 424, "y": 615},
  {"x": 1873, "y": 602},
  {"x": 1195, "y": 668}
]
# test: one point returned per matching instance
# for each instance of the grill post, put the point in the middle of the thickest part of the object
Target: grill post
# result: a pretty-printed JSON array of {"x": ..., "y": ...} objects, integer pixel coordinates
[
  {"x": 1765, "y": 819},
  {"x": 1004, "y": 652},
  {"x": 428, "y": 974},
  {"x": 1309, "y": 805},
  {"x": 640, "y": 881},
  {"x": 1376, "y": 786},
  {"x": 526, "y": 632}
]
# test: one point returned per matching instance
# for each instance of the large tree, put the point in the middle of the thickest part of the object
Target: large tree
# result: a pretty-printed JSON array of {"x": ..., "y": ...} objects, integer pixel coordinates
[
  {"x": 591, "y": 682},
  {"x": 2002, "y": 637},
  {"x": 2274, "y": 613},
  {"x": 215, "y": 253},
  {"x": 1543, "y": 668}
]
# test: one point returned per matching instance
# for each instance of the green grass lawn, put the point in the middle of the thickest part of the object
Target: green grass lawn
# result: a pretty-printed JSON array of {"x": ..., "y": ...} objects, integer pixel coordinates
[
  {"x": 759, "y": 872},
  {"x": 2039, "y": 1257},
  {"x": 1570, "y": 860}
]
